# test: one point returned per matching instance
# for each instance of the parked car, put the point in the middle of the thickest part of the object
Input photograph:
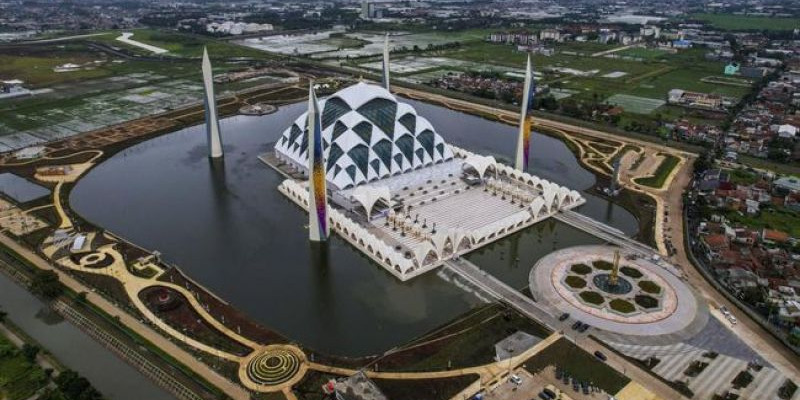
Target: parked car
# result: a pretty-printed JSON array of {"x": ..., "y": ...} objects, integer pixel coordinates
[
  {"x": 563, "y": 317},
  {"x": 549, "y": 393},
  {"x": 732, "y": 319},
  {"x": 577, "y": 325},
  {"x": 584, "y": 327},
  {"x": 515, "y": 379},
  {"x": 544, "y": 396},
  {"x": 600, "y": 356}
]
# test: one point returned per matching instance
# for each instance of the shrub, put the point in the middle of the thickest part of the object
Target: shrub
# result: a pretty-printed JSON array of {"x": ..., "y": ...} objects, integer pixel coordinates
[
  {"x": 631, "y": 272},
  {"x": 650, "y": 287},
  {"x": 603, "y": 265},
  {"x": 622, "y": 306},
  {"x": 575, "y": 282},
  {"x": 742, "y": 380},
  {"x": 592, "y": 297},
  {"x": 582, "y": 269}
]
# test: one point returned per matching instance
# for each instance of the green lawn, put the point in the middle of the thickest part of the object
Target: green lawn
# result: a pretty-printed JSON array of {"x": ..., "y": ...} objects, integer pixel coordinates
[
  {"x": 662, "y": 172},
  {"x": 183, "y": 44},
  {"x": 742, "y": 22},
  {"x": 780, "y": 219},
  {"x": 640, "y": 52}
]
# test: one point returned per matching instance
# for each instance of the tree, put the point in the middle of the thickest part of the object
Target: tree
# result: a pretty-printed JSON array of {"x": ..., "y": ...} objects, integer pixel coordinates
[
  {"x": 30, "y": 352},
  {"x": 45, "y": 283}
]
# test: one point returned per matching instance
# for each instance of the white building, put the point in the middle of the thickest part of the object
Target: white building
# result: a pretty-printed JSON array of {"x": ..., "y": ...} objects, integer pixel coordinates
[{"x": 402, "y": 195}]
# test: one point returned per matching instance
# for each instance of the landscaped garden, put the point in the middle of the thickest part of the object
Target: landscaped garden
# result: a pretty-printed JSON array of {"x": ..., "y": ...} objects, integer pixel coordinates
[
  {"x": 631, "y": 272},
  {"x": 622, "y": 306},
  {"x": 645, "y": 301},
  {"x": 603, "y": 265},
  {"x": 649, "y": 287},
  {"x": 582, "y": 269},
  {"x": 575, "y": 282},
  {"x": 592, "y": 297}
]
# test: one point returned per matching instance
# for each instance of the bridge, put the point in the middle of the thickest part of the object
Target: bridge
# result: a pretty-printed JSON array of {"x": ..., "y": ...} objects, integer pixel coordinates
[{"x": 605, "y": 232}]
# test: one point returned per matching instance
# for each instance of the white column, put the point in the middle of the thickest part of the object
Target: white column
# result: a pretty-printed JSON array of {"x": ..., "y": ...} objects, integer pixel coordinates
[
  {"x": 212, "y": 123},
  {"x": 386, "y": 63},
  {"x": 318, "y": 229},
  {"x": 523, "y": 140}
]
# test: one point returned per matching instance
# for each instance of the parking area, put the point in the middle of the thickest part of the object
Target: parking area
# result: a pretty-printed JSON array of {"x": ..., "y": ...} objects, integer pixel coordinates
[{"x": 532, "y": 385}]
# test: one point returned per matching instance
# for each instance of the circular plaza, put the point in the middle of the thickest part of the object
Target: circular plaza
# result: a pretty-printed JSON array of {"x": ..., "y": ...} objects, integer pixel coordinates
[{"x": 614, "y": 291}]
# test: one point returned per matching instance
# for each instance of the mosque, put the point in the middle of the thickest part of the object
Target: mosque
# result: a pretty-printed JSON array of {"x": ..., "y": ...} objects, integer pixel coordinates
[{"x": 372, "y": 170}]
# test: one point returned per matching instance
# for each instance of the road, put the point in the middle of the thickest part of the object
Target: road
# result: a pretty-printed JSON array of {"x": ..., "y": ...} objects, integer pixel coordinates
[
  {"x": 670, "y": 199},
  {"x": 529, "y": 308}
]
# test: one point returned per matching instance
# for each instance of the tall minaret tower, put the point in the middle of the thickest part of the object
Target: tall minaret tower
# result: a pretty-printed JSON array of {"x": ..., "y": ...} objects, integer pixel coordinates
[
  {"x": 212, "y": 123},
  {"x": 385, "y": 75},
  {"x": 317, "y": 192},
  {"x": 524, "y": 139}
]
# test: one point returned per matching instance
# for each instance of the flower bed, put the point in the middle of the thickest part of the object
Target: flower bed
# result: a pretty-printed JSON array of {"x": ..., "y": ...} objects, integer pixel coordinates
[
  {"x": 631, "y": 272},
  {"x": 622, "y": 306},
  {"x": 603, "y": 265},
  {"x": 575, "y": 282},
  {"x": 592, "y": 297},
  {"x": 582, "y": 269},
  {"x": 645, "y": 301},
  {"x": 650, "y": 287}
]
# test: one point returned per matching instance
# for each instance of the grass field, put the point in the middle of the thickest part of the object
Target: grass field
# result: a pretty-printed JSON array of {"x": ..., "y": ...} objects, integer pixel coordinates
[
  {"x": 741, "y": 22},
  {"x": 578, "y": 364},
  {"x": 182, "y": 44},
  {"x": 19, "y": 379},
  {"x": 643, "y": 53},
  {"x": 635, "y": 104},
  {"x": 662, "y": 172},
  {"x": 780, "y": 219}
]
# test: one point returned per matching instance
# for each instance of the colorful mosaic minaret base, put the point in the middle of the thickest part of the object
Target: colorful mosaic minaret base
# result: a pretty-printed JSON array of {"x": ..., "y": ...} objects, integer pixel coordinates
[
  {"x": 524, "y": 140},
  {"x": 317, "y": 192},
  {"x": 212, "y": 123}
]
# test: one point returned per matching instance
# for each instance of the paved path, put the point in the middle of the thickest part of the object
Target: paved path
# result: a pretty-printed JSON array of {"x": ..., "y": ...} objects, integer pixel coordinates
[
  {"x": 528, "y": 307},
  {"x": 234, "y": 391}
]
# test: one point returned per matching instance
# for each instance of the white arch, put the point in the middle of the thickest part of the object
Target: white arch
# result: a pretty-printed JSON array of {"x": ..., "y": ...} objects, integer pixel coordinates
[{"x": 480, "y": 163}]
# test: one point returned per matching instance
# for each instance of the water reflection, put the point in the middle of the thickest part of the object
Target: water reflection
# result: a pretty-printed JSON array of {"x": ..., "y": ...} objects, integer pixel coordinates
[{"x": 226, "y": 225}]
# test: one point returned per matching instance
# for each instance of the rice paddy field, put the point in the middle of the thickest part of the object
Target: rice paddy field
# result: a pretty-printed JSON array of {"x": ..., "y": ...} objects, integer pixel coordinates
[
  {"x": 635, "y": 104},
  {"x": 745, "y": 22}
]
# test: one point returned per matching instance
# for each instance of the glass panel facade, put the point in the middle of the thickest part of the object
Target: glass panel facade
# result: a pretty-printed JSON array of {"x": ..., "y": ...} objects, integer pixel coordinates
[
  {"x": 426, "y": 139},
  {"x": 383, "y": 149},
  {"x": 406, "y": 146},
  {"x": 360, "y": 156},
  {"x": 409, "y": 121},
  {"x": 380, "y": 112},
  {"x": 364, "y": 131},
  {"x": 334, "y": 108}
]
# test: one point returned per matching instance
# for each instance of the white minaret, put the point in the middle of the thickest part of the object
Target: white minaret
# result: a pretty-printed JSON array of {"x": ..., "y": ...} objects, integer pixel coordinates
[
  {"x": 524, "y": 138},
  {"x": 318, "y": 230},
  {"x": 386, "y": 63},
  {"x": 212, "y": 123}
]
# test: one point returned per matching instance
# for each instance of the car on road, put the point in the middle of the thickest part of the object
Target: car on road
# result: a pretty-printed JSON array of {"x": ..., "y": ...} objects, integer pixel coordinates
[
  {"x": 583, "y": 328},
  {"x": 600, "y": 356},
  {"x": 515, "y": 379},
  {"x": 577, "y": 325},
  {"x": 563, "y": 317}
]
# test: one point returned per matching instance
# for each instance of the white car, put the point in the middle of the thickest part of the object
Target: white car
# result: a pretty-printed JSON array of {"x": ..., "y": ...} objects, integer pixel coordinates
[
  {"x": 732, "y": 319},
  {"x": 515, "y": 379}
]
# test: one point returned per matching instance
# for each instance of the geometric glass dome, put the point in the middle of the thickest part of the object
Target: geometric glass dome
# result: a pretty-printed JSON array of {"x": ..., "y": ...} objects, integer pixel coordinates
[{"x": 367, "y": 135}]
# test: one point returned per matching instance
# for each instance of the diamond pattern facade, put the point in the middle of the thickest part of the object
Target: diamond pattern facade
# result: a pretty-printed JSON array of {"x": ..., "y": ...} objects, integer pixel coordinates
[{"x": 367, "y": 135}]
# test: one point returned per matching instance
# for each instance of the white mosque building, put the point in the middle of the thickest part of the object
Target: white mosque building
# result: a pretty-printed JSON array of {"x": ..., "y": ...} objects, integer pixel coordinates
[{"x": 400, "y": 193}]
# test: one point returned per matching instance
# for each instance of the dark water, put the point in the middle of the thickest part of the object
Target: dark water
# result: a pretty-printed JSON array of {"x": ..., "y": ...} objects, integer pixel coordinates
[
  {"x": 229, "y": 228},
  {"x": 109, "y": 374},
  {"x": 20, "y": 189}
]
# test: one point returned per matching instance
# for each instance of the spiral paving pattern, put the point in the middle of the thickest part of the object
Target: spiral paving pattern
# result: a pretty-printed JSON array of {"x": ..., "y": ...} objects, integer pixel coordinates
[{"x": 273, "y": 366}]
